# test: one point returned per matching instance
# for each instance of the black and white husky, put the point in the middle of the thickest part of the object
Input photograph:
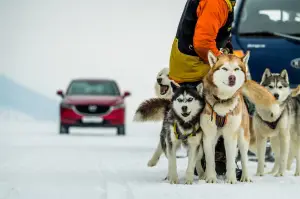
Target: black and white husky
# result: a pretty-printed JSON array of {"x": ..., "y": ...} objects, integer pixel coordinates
[
  {"x": 181, "y": 126},
  {"x": 282, "y": 129}
]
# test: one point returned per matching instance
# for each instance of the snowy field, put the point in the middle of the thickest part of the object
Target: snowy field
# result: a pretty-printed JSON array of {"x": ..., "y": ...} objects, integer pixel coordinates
[{"x": 38, "y": 163}]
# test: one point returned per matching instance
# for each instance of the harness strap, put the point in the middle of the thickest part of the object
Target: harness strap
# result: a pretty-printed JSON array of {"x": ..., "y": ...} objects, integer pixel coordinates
[
  {"x": 271, "y": 125},
  {"x": 221, "y": 121},
  {"x": 184, "y": 136}
]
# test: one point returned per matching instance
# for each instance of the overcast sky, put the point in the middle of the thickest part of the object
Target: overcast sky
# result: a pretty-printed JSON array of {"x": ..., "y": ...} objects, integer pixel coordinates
[{"x": 45, "y": 43}]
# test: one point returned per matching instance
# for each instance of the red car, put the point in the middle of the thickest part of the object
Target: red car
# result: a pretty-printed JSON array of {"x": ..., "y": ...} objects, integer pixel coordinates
[{"x": 92, "y": 103}]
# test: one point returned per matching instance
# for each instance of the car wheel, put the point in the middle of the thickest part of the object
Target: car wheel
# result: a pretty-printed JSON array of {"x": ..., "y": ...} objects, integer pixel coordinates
[
  {"x": 63, "y": 129},
  {"x": 121, "y": 130}
]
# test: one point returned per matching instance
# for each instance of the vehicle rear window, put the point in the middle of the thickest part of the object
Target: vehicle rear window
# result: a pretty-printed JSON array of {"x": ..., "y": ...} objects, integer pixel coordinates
[
  {"x": 281, "y": 16},
  {"x": 108, "y": 88}
]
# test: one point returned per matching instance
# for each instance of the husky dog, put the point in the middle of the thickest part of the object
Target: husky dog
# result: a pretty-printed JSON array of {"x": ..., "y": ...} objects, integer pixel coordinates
[
  {"x": 181, "y": 126},
  {"x": 226, "y": 114},
  {"x": 162, "y": 84},
  {"x": 162, "y": 90},
  {"x": 283, "y": 129}
]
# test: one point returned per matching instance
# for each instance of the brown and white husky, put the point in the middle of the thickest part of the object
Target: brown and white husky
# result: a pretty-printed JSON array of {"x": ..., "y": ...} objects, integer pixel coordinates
[{"x": 226, "y": 114}]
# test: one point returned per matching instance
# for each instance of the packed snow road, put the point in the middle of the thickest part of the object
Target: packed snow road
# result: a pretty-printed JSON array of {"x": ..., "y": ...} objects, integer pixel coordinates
[{"x": 38, "y": 163}]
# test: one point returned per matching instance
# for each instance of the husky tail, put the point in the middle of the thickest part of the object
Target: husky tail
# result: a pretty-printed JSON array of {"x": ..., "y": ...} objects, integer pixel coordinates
[
  {"x": 260, "y": 96},
  {"x": 153, "y": 109}
]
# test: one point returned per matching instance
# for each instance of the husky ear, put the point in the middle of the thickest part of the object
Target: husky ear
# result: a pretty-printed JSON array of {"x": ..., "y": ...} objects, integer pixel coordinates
[
  {"x": 199, "y": 88},
  {"x": 212, "y": 59},
  {"x": 245, "y": 60},
  {"x": 174, "y": 86},
  {"x": 284, "y": 74},
  {"x": 266, "y": 74}
]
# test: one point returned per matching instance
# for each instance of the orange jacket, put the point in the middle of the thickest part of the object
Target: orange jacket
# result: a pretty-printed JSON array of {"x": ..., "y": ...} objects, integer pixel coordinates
[
  {"x": 212, "y": 15},
  {"x": 196, "y": 35}
]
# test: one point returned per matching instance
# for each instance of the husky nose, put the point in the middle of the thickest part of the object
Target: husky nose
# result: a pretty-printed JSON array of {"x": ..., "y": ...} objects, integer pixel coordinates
[
  {"x": 231, "y": 78},
  {"x": 276, "y": 95},
  {"x": 184, "y": 108},
  {"x": 159, "y": 80}
]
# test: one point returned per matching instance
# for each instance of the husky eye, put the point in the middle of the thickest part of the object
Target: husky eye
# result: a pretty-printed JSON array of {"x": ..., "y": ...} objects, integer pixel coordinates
[
  {"x": 280, "y": 87},
  {"x": 271, "y": 87},
  {"x": 225, "y": 69},
  {"x": 180, "y": 100},
  {"x": 190, "y": 99},
  {"x": 236, "y": 69}
]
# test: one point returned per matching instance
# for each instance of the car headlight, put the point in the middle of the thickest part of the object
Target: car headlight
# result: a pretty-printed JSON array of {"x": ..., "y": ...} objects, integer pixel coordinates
[
  {"x": 122, "y": 105},
  {"x": 63, "y": 105}
]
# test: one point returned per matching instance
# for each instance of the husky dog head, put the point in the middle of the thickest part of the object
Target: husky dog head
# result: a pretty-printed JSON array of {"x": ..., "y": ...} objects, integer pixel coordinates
[
  {"x": 228, "y": 73},
  {"x": 186, "y": 105},
  {"x": 162, "y": 84},
  {"x": 277, "y": 84},
  {"x": 187, "y": 101}
]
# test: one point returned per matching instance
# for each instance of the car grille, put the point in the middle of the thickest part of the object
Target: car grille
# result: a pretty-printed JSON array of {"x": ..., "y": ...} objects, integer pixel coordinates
[{"x": 92, "y": 109}]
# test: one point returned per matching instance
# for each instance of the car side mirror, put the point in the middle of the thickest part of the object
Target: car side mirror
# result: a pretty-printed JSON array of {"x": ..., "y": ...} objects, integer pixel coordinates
[
  {"x": 126, "y": 94},
  {"x": 60, "y": 93}
]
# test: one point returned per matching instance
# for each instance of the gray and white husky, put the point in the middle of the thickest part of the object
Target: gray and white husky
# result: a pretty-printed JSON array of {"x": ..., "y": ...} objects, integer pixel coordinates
[
  {"x": 181, "y": 126},
  {"x": 283, "y": 129}
]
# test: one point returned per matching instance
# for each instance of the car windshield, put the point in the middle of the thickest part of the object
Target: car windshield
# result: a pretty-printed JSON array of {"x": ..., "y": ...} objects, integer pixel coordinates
[
  {"x": 280, "y": 16},
  {"x": 107, "y": 88}
]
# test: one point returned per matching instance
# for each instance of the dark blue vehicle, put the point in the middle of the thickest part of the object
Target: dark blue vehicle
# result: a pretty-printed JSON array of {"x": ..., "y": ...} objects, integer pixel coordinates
[{"x": 270, "y": 29}]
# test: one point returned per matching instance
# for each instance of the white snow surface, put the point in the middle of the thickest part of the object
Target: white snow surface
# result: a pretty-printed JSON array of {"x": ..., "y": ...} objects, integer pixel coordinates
[{"x": 38, "y": 163}]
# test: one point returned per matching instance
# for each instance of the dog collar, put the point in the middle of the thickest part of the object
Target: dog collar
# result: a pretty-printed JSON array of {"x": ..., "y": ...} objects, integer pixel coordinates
[
  {"x": 184, "y": 136},
  {"x": 221, "y": 100}
]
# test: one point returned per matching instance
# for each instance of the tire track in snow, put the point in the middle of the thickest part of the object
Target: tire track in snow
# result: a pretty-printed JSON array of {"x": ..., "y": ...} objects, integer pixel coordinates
[{"x": 114, "y": 185}]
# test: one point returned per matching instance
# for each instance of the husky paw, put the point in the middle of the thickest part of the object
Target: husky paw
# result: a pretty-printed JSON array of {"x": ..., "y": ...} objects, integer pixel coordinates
[
  {"x": 246, "y": 179},
  {"x": 173, "y": 179},
  {"x": 231, "y": 180},
  {"x": 152, "y": 163},
  {"x": 188, "y": 181},
  {"x": 211, "y": 179},
  {"x": 297, "y": 173},
  {"x": 259, "y": 173},
  {"x": 189, "y": 177},
  {"x": 279, "y": 174}
]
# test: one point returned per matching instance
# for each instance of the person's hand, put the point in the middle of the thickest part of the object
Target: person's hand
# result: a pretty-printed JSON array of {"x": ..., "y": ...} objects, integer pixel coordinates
[
  {"x": 225, "y": 50},
  {"x": 229, "y": 47}
]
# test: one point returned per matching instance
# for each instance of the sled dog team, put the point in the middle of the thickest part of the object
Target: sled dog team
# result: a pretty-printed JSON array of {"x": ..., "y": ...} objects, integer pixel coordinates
[{"x": 196, "y": 116}]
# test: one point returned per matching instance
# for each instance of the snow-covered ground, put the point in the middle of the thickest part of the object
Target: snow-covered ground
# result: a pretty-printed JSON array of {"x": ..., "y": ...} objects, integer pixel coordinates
[{"x": 38, "y": 163}]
